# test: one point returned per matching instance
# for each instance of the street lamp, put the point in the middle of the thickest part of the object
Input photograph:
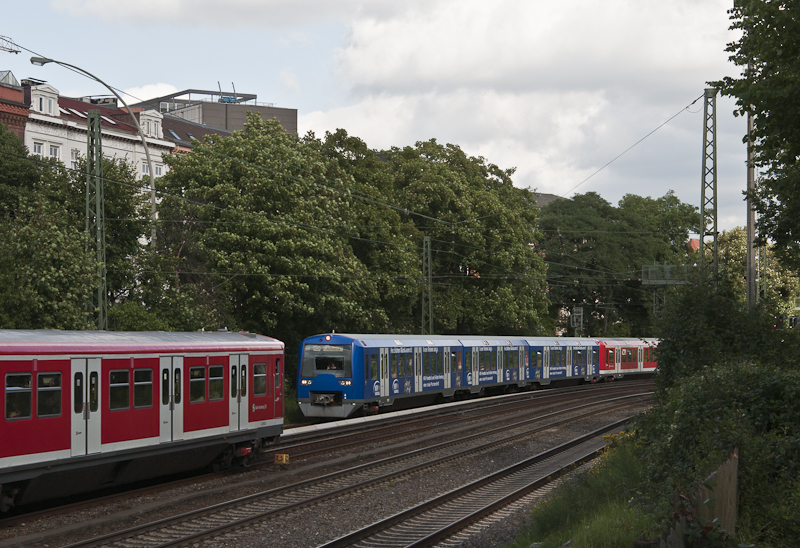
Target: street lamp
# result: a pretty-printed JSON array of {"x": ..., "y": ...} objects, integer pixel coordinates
[{"x": 41, "y": 61}]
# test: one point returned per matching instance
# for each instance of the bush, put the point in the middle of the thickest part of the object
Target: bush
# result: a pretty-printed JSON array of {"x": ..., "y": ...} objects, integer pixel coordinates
[{"x": 735, "y": 404}]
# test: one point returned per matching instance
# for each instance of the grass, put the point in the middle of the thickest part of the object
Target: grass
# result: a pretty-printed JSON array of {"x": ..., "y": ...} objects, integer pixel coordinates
[{"x": 592, "y": 510}]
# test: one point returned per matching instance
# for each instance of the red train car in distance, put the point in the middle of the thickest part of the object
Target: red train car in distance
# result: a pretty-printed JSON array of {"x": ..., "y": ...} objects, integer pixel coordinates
[
  {"x": 84, "y": 410},
  {"x": 621, "y": 356}
]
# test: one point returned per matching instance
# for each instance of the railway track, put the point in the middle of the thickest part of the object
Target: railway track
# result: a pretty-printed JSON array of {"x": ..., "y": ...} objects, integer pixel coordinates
[
  {"x": 433, "y": 521},
  {"x": 193, "y": 527},
  {"x": 375, "y": 430}
]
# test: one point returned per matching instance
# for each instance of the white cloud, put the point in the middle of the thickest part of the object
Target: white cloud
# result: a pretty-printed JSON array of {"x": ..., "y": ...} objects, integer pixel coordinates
[
  {"x": 289, "y": 82},
  {"x": 232, "y": 13},
  {"x": 148, "y": 91}
]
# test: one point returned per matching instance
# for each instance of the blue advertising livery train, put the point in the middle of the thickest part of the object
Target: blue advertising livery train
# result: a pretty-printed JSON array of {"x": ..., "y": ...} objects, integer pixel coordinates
[{"x": 341, "y": 375}]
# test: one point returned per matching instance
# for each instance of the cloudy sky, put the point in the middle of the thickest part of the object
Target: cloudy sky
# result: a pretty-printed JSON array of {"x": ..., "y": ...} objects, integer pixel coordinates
[{"x": 555, "y": 89}]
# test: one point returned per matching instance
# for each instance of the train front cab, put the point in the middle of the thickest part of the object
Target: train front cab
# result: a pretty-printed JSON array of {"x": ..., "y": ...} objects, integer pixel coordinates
[{"x": 329, "y": 365}]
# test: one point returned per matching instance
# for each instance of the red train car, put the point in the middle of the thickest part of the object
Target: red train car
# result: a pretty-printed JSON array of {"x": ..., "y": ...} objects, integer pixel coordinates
[
  {"x": 89, "y": 409},
  {"x": 619, "y": 357}
]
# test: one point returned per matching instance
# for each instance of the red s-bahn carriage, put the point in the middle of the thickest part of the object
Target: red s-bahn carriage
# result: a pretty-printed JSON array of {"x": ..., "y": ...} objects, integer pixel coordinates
[{"x": 90, "y": 409}]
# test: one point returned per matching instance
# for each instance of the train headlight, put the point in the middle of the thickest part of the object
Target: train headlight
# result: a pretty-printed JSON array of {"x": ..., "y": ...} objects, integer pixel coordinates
[
  {"x": 345, "y": 382},
  {"x": 305, "y": 382}
]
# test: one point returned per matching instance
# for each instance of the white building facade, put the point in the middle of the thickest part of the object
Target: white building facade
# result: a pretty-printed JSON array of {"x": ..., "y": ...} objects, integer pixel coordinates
[{"x": 56, "y": 128}]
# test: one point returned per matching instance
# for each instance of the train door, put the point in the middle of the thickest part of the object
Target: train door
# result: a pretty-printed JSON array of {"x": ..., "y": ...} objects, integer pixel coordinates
[
  {"x": 546, "y": 363},
  {"x": 521, "y": 355},
  {"x": 476, "y": 366},
  {"x": 86, "y": 406},
  {"x": 238, "y": 391},
  {"x": 278, "y": 389},
  {"x": 417, "y": 369},
  {"x": 448, "y": 381},
  {"x": 171, "y": 399},
  {"x": 384, "y": 372},
  {"x": 570, "y": 371}
]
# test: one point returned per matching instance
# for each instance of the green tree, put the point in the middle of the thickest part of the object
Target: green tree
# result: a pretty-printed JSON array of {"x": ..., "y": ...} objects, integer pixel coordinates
[
  {"x": 127, "y": 217},
  {"x": 596, "y": 251},
  {"x": 779, "y": 289},
  {"x": 488, "y": 278},
  {"x": 46, "y": 276},
  {"x": 768, "y": 52},
  {"x": 253, "y": 223},
  {"x": 18, "y": 174}
]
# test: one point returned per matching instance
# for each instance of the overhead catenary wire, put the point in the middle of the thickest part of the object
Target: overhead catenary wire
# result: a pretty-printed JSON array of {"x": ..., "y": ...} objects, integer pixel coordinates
[{"x": 632, "y": 146}]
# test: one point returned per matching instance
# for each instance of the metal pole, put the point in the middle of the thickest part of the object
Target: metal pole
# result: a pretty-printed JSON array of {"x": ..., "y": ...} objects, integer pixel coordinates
[
  {"x": 95, "y": 216},
  {"x": 752, "y": 297}
]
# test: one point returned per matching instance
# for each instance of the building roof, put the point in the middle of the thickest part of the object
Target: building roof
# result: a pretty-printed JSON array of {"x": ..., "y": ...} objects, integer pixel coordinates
[
  {"x": 111, "y": 118},
  {"x": 181, "y": 132},
  {"x": 545, "y": 199}
]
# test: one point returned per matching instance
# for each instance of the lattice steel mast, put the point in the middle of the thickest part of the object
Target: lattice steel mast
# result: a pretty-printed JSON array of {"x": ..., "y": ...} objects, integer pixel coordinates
[
  {"x": 95, "y": 216},
  {"x": 708, "y": 199}
]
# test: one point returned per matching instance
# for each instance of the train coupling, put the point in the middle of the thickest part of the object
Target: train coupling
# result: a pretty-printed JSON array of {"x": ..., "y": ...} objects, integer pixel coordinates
[{"x": 243, "y": 452}]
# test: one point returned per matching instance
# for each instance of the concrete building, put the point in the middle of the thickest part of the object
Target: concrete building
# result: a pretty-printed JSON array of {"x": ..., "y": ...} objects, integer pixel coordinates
[{"x": 218, "y": 109}]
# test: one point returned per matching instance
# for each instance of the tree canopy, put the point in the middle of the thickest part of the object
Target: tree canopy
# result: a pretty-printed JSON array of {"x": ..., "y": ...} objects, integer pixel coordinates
[
  {"x": 768, "y": 52},
  {"x": 595, "y": 253}
]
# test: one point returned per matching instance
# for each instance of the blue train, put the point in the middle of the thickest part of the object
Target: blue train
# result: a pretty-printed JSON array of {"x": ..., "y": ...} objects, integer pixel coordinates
[{"x": 341, "y": 375}]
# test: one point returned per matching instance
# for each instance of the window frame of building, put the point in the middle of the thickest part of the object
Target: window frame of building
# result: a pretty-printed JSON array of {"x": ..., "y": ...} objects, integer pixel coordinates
[
  {"x": 38, "y": 148},
  {"x": 55, "y": 152}
]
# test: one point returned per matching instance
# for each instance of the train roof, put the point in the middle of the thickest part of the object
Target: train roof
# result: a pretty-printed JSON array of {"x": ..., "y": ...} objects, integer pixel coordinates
[
  {"x": 51, "y": 341},
  {"x": 372, "y": 340}
]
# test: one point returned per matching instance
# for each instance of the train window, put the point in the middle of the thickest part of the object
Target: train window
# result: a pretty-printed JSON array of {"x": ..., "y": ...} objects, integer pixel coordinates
[
  {"x": 177, "y": 386},
  {"x": 373, "y": 366},
  {"x": 77, "y": 396},
  {"x": 119, "y": 390},
  {"x": 216, "y": 384},
  {"x": 334, "y": 359},
  {"x": 468, "y": 361},
  {"x": 18, "y": 396},
  {"x": 142, "y": 388},
  {"x": 610, "y": 357},
  {"x": 48, "y": 395},
  {"x": 494, "y": 359},
  {"x": 165, "y": 386},
  {"x": 260, "y": 379},
  {"x": 401, "y": 365},
  {"x": 595, "y": 357},
  {"x": 197, "y": 384},
  {"x": 94, "y": 392},
  {"x": 243, "y": 383},
  {"x": 439, "y": 363},
  {"x": 426, "y": 363},
  {"x": 234, "y": 380},
  {"x": 277, "y": 374},
  {"x": 393, "y": 365}
]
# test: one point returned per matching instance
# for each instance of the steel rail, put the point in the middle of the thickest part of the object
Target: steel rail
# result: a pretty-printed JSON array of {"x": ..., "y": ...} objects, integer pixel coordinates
[
  {"x": 352, "y": 539},
  {"x": 313, "y": 484}
]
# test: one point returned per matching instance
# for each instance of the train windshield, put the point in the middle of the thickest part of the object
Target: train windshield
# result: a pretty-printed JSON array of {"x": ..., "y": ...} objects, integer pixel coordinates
[{"x": 326, "y": 358}]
